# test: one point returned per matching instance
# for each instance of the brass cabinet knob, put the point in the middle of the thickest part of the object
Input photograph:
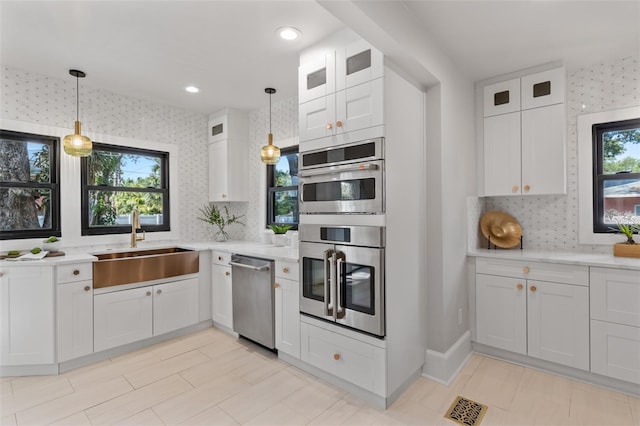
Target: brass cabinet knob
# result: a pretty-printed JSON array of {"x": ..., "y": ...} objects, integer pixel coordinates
[
  {"x": 533, "y": 288},
  {"x": 527, "y": 188},
  {"x": 338, "y": 123},
  {"x": 285, "y": 270},
  {"x": 148, "y": 293},
  {"x": 87, "y": 288},
  {"x": 76, "y": 272},
  {"x": 159, "y": 291},
  {"x": 276, "y": 285},
  {"x": 525, "y": 270},
  {"x": 329, "y": 126},
  {"x": 227, "y": 273},
  {"x": 514, "y": 188},
  {"x": 519, "y": 286},
  {"x": 336, "y": 356}
]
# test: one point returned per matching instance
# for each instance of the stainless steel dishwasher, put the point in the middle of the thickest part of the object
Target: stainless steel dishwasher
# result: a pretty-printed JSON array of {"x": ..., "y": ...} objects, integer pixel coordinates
[{"x": 253, "y": 299}]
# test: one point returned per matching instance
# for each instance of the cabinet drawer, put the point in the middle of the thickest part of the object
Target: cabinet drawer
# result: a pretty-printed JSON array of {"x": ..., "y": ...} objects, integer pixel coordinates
[
  {"x": 221, "y": 258},
  {"x": 289, "y": 270},
  {"x": 352, "y": 360},
  {"x": 550, "y": 272},
  {"x": 615, "y": 351},
  {"x": 74, "y": 272},
  {"x": 501, "y": 98},
  {"x": 615, "y": 296},
  {"x": 543, "y": 88}
]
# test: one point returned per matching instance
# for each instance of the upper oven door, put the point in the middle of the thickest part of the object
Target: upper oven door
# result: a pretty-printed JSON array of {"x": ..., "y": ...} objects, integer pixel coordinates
[{"x": 348, "y": 188}]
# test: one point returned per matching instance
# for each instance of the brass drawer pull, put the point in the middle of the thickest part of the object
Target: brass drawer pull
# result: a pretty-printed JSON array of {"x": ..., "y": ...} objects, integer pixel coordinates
[
  {"x": 533, "y": 288},
  {"x": 519, "y": 286},
  {"x": 148, "y": 293},
  {"x": 285, "y": 270},
  {"x": 159, "y": 291},
  {"x": 76, "y": 272},
  {"x": 227, "y": 273},
  {"x": 336, "y": 356},
  {"x": 87, "y": 288},
  {"x": 525, "y": 270}
]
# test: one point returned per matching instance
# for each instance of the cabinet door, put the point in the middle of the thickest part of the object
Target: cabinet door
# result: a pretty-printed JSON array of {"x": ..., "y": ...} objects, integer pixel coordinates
[
  {"x": 501, "y": 310},
  {"x": 317, "y": 118},
  {"x": 502, "y": 155},
  {"x": 543, "y": 150},
  {"x": 615, "y": 296},
  {"x": 27, "y": 323},
  {"x": 222, "y": 303},
  {"x": 502, "y": 98},
  {"x": 615, "y": 350},
  {"x": 543, "y": 89},
  {"x": 75, "y": 320},
  {"x": 218, "y": 129},
  {"x": 357, "y": 63},
  {"x": 122, "y": 317},
  {"x": 558, "y": 323},
  {"x": 316, "y": 78},
  {"x": 218, "y": 169},
  {"x": 360, "y": 107},
  {"x": 287, "y": 307},
  {"x": 175, "y": 305}
]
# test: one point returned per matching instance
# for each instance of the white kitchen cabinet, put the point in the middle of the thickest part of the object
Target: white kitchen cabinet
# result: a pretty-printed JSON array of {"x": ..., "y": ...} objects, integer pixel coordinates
[
  {"x": 524, "y": 135},
  {"x": 222, "y": 301},
  {"x": 228, "y": 156},
  {"x": 122, "y": 317},
  {"x": 519, "y": 312},
  {"x": 175, "y": 305},
  {"x": 615, "y": 323},
  {"x": 341, "y": 92},
  {"x": 287, "y": 307},
  {"x": 27, "y": 322},
  {"x": 75, "y": 319}
]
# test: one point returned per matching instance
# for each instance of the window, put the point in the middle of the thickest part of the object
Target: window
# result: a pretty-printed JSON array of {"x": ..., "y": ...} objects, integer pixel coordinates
[
  {"x": 282, "y": 189},
  {"x": 29, "y": 186},
  {"x": 616, "y": 174},
  {"x": 117, "y": 179}
]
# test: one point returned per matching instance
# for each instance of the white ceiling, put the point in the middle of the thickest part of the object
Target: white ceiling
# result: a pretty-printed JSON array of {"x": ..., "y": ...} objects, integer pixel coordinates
[{"x": 152, "y": 49}]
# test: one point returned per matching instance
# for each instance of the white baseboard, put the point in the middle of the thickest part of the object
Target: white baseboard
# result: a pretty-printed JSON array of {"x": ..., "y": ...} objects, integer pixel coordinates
[{"x": 444, "y": 367}]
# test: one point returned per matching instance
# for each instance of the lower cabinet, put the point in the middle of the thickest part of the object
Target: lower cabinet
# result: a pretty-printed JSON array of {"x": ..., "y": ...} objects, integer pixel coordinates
[
  {"x": 126, "y": 316},
  {"x": 222, "y": 303},
  {"x": 287, "y": 306},
  {"x": 75, "y": 319},
  {"x": 543, "y": 319},
  {"x": 27, "y": 322}
]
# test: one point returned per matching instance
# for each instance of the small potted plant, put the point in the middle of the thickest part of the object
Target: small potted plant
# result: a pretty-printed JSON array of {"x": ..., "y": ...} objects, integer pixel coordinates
[
  {"x": 212, "y": 215},
  {"x": 279, "y": 234},
  {"x": 52, "y": 244},
  {"x": 628, "y": 248}
]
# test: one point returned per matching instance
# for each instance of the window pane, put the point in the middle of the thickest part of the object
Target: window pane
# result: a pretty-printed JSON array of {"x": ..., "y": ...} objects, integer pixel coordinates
[
  {"x": 286, "y": 171},
  {"x": 285, "y": 206},
  {"x": 621, "y": 151},
  {"x": 113, "y": 208},
  {"x": 125, "y": 170},
  {"x": 621, "y": 201},
  {"x": 25, "y": 209},
  {"x": 22, "y": 161}
]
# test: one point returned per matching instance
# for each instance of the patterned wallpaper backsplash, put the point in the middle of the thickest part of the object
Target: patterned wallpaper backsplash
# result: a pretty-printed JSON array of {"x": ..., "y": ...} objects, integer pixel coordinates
[{"x": 551, "y": 222}]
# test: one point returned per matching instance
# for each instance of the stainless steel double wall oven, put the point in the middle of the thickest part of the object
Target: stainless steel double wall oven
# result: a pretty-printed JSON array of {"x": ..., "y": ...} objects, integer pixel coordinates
[{"x": 342, "y": 266}]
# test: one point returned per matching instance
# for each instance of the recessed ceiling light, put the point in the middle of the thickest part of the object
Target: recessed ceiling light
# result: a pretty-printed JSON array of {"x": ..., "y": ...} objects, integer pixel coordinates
[
  {"x": 288, "y": 33},
  {"x": 192, "y": 89}
]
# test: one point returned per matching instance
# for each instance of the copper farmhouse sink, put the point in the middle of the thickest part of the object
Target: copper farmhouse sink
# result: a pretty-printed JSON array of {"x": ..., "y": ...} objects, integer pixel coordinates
[{"x": 129, "y": 267}]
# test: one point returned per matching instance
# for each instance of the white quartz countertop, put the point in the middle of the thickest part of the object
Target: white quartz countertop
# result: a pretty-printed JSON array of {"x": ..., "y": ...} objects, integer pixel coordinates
[
  {"x": 248, "y": 248},
  {"x": 566, "y": 257}
]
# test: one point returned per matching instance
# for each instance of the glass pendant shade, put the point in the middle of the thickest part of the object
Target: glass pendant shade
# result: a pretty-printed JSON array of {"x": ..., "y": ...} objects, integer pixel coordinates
[
  {"x": 77, "y": 145},
  {"x": 270, "y": 154}
]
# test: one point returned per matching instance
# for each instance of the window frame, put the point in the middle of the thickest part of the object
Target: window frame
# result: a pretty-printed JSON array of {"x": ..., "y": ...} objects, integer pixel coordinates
[
  {"x": 599, "y": 177},
  {"x": 53, "y": 186},
  {"x": 271, "y": 189},
  {"x": 164, "y": 189}
]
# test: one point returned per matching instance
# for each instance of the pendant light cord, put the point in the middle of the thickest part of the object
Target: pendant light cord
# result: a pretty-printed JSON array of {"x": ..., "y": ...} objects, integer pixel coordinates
[{"x": 269, "y": 112}]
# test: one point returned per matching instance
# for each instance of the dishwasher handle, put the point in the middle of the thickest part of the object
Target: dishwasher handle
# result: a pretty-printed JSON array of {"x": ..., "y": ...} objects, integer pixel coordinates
[{"x": 253, "y": 268}]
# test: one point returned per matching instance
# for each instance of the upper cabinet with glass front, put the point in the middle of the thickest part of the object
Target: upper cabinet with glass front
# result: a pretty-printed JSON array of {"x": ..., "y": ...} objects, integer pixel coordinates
[
  {"x": 228, "y": 156},
  {"x": 341, "y": 92},
  {"x": 523, "y": 133}
]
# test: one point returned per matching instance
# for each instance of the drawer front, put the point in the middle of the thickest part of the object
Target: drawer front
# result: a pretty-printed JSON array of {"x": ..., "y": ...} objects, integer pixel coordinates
[
  {"x": 288, "y": 270},
  {"x": 74, "y": 272},
  {"x": 502, "y": 98},
  {"x": 615, "y": 351},
  {"x": 221, "y": 258},
  {"x": 615, "y": 296},
  {"x": 550, "y": 272},
  {"x": 352, "y": 360}
]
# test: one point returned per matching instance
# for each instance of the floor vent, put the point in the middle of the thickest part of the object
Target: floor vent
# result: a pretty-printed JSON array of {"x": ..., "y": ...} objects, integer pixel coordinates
[{"x": 466, "y": 412}]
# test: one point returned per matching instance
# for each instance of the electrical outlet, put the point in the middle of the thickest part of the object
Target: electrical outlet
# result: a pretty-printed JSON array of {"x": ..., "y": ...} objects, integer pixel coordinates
[{"x": 459, "y": 316}]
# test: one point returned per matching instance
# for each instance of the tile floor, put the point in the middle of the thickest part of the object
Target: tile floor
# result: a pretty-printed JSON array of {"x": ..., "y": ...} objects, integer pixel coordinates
[{"x": 210, "y": 378}]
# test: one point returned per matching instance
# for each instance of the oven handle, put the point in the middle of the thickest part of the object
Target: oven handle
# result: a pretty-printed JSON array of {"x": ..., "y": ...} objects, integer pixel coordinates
[
  {"x": 326, "y": 258},
  {"x": 334, "y": 311},
  {"x": 339, "y": 308},
  {"x": 338, "y": 169}
]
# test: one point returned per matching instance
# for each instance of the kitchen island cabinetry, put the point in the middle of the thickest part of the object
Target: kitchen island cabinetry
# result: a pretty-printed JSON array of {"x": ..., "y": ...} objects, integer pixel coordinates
[
  {"x": 27, "y": 322},
  {"x": 615, "y": 323},
  {"x": 222, "y": 302},
  {"x": 533, "y": 308},
  {"x": 287, "y": 306}
]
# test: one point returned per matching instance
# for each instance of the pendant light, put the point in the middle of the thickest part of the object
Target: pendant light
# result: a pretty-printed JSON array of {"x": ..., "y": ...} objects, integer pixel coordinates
[
  {"x": 77, "y": 145},
  {"x": 270, "y": 154}
]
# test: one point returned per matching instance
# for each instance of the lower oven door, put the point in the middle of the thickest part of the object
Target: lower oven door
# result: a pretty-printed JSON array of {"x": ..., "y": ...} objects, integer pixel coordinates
[{"x": 315, "y": 280}]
